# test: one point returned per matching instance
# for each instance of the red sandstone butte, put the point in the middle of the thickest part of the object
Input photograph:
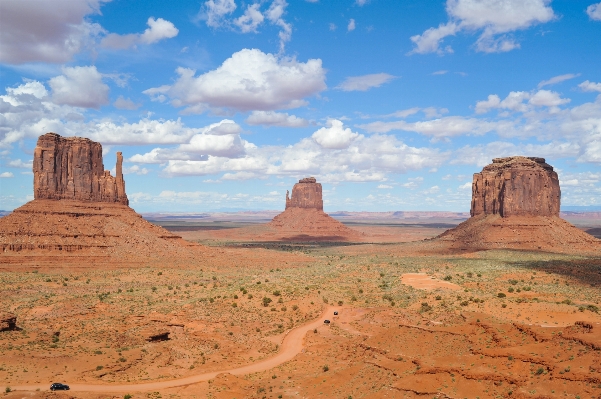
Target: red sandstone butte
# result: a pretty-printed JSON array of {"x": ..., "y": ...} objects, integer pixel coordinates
[
  {"x": 72, "y": 168},
  {"x": 81, "y": 216},
  {"x": 516, "y": 186},
  {"x": 304, "y": 218},
  {"x": 306, "y": 194},
  {"x": 515, "y": 205}
]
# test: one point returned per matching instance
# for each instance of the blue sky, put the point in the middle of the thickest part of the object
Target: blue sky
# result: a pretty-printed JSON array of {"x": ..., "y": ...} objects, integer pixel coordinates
[{"x": 224, "y": 104}]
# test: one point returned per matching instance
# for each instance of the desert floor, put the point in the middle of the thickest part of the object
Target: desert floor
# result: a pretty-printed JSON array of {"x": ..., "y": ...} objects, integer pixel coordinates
[{"x": 412, "y": 323}]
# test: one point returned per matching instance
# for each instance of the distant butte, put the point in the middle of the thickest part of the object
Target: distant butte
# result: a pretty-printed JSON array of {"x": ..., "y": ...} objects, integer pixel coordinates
[
  {"x": 515, "y": 205},
  {"x": 304, "y": 218}
]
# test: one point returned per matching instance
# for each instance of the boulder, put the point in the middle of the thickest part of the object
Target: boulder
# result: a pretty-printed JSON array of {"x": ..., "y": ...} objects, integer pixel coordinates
[
  {"x": 72, "y": 168},
  {"x": 157, "y": 335},
  {"x": 516, "y": 186},
  {"x": 8, "y": 322},
  {"x": 307, "y": 194}
]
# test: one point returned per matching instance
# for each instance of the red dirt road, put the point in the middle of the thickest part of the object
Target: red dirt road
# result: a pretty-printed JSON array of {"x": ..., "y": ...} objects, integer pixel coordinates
[{"x": 291, "y": 345}]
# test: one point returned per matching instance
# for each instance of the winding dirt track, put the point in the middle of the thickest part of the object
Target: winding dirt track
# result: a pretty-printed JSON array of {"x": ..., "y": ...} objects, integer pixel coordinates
[{"x": 291, "y": 345}]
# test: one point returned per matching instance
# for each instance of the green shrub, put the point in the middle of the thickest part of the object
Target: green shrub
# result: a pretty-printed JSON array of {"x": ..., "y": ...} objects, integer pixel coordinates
[
  {"x": 266, "y": 301},
  {"x": 501, "y": 295}
]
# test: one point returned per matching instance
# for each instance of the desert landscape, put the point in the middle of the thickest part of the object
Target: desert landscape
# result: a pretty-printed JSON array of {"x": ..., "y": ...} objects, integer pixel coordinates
[{"x": 502, "y": 302}]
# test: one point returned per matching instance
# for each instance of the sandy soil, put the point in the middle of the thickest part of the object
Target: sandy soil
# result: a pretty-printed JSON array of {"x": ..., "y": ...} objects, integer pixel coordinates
[
  {"x": 247, "y": 322},
  {"x": 422, "y": 281}
]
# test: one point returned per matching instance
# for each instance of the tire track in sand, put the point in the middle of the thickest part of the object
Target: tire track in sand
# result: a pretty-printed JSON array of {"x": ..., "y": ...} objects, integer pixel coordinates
[{"x": 291, "y": 345}]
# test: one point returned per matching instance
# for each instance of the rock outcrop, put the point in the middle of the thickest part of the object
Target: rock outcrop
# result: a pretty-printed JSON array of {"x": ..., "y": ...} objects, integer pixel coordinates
[
  {"x": 306, "y": 193},
  {"x": 80, "y": 215},
  {"x": 516, "y": 186},
  {"x": 515, "y": 205},
  {"x": 8, "y": 322},
  {"x": 304, "y": 218},
  {"x": 72, "y": 168}
]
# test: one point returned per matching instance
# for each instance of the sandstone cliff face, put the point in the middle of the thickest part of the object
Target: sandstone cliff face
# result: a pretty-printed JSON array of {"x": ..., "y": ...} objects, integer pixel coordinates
[
  {"x": 72, "y": 168},
  {"x": 306, "y": 193},
  {"x": 516, "y": 186}
]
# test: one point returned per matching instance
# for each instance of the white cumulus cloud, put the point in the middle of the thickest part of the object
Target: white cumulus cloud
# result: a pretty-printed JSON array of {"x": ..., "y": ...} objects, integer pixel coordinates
[
  {"x": 158, "y": 29},
  {"x": 520, "y": 101},
  {"x": 251, "y": 19},
  {"x": 5, "y": 175},
  {"x": 272, "y": 118},
  {"x": 46, "y": 31},
  {"x": 125, "y": 103},
  {"x": 365, "y": 82},
  {"x": 334, "y": 136},
  {"x": 351, "y": 25},
  {"x": 594, "y": 11},
  {"x": 249, "y": 80},
  {"x": 220, "y": 139},
  {"x": 214, "y": 11},
  {"x": 79, "y": 87},
  {"x": 590, "y": 86},
  {"x": 494, "y": 19}
]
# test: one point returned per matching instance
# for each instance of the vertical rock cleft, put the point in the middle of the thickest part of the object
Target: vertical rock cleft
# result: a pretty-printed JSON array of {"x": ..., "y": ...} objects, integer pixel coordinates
[
  {"x": 307, "y": 193},
  {"x": 72, "y": 168},
  {"x": 516, "y": 186}
]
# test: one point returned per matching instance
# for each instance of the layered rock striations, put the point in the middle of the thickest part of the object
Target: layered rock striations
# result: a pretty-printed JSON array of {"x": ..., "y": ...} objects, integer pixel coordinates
[
  {"x": 515, "y": 205},
  {"x": 72, "y": 168},
  {"x": 304, "y": 218},
  {"x": 516, "y": 186},
  {"x": 307, "y": 194}
]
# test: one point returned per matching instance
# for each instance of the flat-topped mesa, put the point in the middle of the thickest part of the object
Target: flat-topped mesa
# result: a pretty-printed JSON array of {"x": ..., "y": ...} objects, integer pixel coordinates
[
  {"x": 305, "y": 194},
  {"x": 72, "y": 168},
  {"x": 516, "y": 186}
]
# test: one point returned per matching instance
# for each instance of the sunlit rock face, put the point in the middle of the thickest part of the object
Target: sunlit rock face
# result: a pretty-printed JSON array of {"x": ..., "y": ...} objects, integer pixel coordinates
[
  {"x": 306, "y": 193},
  {"x": 516, "y": 186},
  {"x": 72, "y": 169}
]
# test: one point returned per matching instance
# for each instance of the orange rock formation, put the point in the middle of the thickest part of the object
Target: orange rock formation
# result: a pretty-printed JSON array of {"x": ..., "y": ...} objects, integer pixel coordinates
[
  {"x": 516, "y": 186},
  {"x": 515, "y": 205},
  {"x": 81, "y": 213},
  {"x": 72, "y": 168},
  {"x": 306, "y": 194},
  {"x": 304, "y": 218}
]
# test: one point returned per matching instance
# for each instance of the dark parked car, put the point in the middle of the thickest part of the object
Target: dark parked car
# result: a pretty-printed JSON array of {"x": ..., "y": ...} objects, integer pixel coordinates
[
  {"x": 326, "y": 321},
  {"x": 335, "y": 313},
  {"x": 57, "y": 386}
]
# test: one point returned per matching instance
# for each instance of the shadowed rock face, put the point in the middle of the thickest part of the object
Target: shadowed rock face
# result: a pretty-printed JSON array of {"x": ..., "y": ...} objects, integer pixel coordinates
[
  {"x": 516, "y": 186},
  {"x": 306, "y": 194},
  {"x": 72, "y": 168}
]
